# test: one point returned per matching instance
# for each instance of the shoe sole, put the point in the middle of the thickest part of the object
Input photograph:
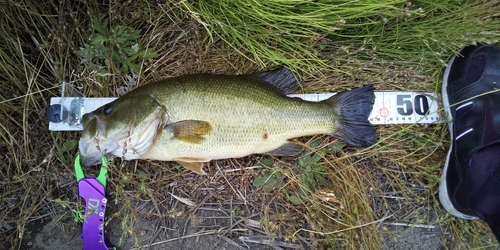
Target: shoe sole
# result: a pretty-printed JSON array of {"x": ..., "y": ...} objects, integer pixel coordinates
[{"x": 444, "y": 196}]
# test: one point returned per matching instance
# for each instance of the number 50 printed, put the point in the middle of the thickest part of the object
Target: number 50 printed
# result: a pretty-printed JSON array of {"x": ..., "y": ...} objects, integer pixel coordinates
[{"x": 406, "y": 106}]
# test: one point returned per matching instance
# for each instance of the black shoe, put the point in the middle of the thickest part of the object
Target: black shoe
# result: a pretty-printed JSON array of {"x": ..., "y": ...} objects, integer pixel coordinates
[{"x": 474, "y": 120}]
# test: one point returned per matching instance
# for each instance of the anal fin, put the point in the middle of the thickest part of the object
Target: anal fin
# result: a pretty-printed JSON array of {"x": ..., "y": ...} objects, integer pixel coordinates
[
  {"x": 288, "y": 149},
  {"x": 196, "y": 167}
]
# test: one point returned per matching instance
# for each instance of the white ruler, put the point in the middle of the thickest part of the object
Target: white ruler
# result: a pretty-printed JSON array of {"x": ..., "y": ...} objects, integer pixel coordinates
[{"x": 389, "y": 108}]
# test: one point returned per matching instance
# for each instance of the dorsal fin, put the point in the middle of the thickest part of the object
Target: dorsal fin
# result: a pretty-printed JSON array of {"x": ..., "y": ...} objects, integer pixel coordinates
[{"x": 282, "y": 78}]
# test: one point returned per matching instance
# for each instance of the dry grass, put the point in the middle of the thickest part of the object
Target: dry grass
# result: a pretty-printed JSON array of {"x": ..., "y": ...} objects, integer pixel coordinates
[{"x": 394, "y": 181}]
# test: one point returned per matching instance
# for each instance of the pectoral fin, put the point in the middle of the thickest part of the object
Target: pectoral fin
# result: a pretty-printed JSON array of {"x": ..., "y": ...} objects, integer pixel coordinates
[
  {"x": 196, "y": 167},
  {"x": 190, "y": 131},
  {"x": 287, "y": 149}
]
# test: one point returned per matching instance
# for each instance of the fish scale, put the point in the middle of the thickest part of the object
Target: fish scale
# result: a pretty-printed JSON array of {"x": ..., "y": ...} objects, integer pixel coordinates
[{"x": 273, "y": 114}]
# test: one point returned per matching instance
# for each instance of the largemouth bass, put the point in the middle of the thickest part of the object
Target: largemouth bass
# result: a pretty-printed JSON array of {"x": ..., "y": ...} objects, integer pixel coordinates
[{"x": 193, "y": 119}]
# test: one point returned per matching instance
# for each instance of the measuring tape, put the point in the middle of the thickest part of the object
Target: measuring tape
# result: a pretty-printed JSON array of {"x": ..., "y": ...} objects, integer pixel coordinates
[
  {"x": 395, "y": 107},
  {"x": 65, "y": 113}
]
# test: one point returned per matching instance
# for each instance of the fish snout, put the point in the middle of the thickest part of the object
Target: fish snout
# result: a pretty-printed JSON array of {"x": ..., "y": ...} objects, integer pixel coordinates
[{"x": 91, "y": 126}]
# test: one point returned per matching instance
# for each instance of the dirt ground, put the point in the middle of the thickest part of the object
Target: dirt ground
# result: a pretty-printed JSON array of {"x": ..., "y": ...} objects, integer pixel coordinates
[
  {"x": 209, "y": 227},
  {"x": 47, "y": 236},
  {"x": 221, "y": 220}
]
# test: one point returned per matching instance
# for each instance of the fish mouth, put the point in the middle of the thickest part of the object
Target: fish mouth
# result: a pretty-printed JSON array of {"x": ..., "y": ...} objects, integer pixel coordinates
[
  {"x": 129, "y": 143},
  {"x": 89, "y": 153},
  {"x": 94, "y": 148}
]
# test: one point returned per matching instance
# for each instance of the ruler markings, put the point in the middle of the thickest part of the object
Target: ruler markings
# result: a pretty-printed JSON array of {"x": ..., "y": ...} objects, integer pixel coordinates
[{"x": 389, "y": 108}]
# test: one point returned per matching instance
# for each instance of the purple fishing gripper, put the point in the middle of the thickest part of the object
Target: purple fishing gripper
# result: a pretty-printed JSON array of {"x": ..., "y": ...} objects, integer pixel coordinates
[{"x": 91, "y": 189}]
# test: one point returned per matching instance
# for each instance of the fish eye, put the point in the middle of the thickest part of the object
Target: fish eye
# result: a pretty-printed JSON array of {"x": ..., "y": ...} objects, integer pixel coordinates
[{"x": 106, "y": 109}]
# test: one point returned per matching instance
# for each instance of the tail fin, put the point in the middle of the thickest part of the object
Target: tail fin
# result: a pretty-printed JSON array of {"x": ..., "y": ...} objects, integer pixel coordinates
[{"x": 352, "y": 109}]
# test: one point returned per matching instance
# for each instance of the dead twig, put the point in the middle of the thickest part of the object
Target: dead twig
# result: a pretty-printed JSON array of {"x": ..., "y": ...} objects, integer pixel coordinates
[
  {"x": 267, "y": 240},
  {"x": 232, "y": 242}
]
